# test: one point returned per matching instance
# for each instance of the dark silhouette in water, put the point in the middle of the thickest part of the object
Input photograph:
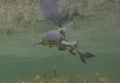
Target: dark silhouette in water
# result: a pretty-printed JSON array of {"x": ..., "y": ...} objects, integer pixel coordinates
[
  {"x": 55, "y": 38},
  {"x": 57, "y": 14}
]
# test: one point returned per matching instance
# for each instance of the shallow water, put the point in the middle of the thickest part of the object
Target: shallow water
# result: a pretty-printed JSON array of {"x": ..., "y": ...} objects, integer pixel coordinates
[{"x": 19, "y": 60}]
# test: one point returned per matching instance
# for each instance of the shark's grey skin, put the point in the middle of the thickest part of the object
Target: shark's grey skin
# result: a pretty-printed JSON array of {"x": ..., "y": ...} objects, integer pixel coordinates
[
  {"x": 52, "y": 36},
  {"x": 56, "y": 38}
]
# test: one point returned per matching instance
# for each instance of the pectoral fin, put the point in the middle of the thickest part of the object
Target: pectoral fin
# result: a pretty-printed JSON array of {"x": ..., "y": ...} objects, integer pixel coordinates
[{"x": 41, "y": 43}]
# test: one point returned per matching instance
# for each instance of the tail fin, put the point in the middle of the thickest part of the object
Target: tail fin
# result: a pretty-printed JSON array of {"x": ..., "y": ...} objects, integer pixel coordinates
[{"x": 85, "y": 55}]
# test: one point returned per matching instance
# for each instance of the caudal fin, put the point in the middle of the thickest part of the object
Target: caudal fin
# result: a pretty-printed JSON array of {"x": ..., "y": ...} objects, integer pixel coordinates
[{"x": 85, "y": 55}]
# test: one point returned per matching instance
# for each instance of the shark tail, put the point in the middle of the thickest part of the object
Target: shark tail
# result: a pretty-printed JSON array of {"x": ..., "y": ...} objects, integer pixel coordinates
[{"x": 85, "y": 55}]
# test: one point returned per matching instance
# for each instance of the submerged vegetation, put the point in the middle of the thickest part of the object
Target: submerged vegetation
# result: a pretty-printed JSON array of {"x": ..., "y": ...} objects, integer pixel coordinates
[
  {"x": 78, "y": 79},
  {"x": 21, "y": 16}
]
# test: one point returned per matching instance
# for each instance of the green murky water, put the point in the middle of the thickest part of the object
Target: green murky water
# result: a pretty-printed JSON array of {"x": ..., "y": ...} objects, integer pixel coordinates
[{"x": 19, "y": 60}]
